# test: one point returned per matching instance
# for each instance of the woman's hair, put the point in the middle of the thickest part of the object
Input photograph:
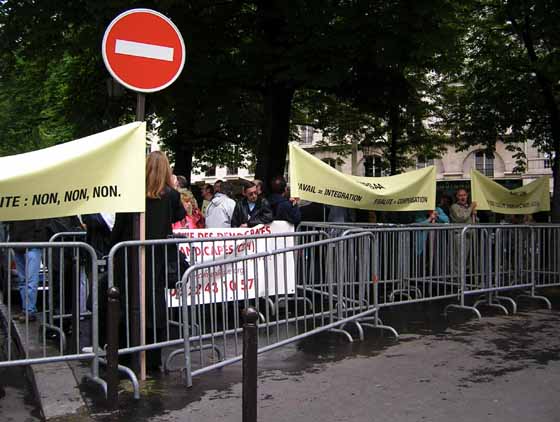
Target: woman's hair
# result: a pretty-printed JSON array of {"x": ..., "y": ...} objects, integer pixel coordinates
[
  {"x": 188, "y": 200},
  {"x": 158, "y": 174}
]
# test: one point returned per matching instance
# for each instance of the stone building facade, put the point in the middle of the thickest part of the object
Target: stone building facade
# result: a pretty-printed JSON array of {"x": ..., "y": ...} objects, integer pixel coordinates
[{"x": 453, "y": 168}]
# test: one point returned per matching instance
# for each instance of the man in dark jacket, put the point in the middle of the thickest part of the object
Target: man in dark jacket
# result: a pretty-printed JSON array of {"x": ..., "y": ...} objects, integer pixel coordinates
[
  {"x": 251, "y": 210},
  {"x": 28, "y": 263},
  {"x": 282, "y": 207}
]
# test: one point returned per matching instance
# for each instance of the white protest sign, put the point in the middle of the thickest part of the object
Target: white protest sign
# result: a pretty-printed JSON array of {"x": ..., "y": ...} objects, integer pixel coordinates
[{"x": 272, "y": 275}]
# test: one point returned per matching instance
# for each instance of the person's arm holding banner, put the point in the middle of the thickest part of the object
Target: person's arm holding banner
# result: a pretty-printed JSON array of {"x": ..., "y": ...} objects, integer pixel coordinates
[{"x": 472, "y": 207}]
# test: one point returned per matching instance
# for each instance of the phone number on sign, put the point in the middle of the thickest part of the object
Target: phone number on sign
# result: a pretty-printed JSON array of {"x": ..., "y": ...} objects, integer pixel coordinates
[{"x": 214, "y": 287}]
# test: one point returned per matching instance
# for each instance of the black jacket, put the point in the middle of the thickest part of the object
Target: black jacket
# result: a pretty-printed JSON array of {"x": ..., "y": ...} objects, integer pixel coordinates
[
  {"x": 29, "y": 231},
  {"x": 160, "y": 215},
  {"x": 98, "y": 234},
  {"x": 283, "y": 209},
  {"x": 261, "y": 214}
]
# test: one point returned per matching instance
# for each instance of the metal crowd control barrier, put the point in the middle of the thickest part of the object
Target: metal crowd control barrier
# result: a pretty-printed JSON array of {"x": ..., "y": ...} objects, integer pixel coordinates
[
  {"x": 334, "y": 229},
  {"x": 28, "y": 335},
  {"x": 165, "y": 261},
  {"x": 212, "y": 326},
  {"x": 61, "y": 267},
  {"x": 499, "y": 258},
  {"x": 431, "y": 262},
  {"x": 413, "y": 263},
  {"x": 300, "y": 284},
  {"x": 546, "y": 253}
]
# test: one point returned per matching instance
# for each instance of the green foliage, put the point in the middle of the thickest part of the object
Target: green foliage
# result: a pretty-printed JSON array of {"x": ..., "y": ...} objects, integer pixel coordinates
[
  {"x": 507, "y": 86},
  {"x": 31, "y": 98},
  {"x": 411, "y": 77},
  {"x": 495, "y": 94}
]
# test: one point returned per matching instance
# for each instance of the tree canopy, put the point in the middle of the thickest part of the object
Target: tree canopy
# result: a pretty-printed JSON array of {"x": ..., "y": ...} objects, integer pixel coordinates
[
  {"x": 507, "y": 87},
  {"x": 413, "y": 76}
]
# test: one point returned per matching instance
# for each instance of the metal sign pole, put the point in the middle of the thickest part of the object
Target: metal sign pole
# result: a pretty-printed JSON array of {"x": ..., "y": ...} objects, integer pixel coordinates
[
  {"x": 137, "y": 273},
  {"x": 142, "y": 67}
]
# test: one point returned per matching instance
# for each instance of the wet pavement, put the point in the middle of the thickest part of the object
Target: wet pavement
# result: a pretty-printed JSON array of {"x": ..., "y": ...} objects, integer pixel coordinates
[
  {"x": 501, "y": 368},
  {"x": 16, "y": 394}
]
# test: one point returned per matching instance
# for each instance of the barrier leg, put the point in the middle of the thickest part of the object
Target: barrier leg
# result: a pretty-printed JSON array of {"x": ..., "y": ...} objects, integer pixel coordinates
[
  {"x": 378, "y": 324},
  {"x": 462, "y": 307},
  {"x": 250, "y": 316},
  {"x": 509, "y": 300},
  {"x": 488, "y": 302},
  {"x": 113, "y": 311},
  {"x": 536, "y": 297}
]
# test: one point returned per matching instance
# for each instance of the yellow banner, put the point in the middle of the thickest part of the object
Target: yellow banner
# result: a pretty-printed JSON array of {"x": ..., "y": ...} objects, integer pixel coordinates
[
  {"x": 100, "y": 173},
  {"x": 313, "y": 180},
  {"x": 528, "y": 199}
]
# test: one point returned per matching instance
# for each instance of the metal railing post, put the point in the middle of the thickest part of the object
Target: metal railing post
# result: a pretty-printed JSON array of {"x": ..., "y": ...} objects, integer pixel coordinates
[
  {"x": 250, "y": 316},
  {"x": 113, "y": 318}
]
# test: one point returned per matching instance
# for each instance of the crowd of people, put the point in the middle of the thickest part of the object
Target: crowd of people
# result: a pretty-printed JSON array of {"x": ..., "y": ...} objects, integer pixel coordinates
[{"x": 220, "y": 209}]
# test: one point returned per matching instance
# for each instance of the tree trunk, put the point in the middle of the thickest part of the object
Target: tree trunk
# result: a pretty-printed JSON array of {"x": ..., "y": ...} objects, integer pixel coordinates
[
  {"x": 273, "y": 147},
  {"x": 555, "y": 206},
  {"x": 183, "y": 161},
  {"x": 550, "y": 103},
  {"x": 394, "y": 125}
]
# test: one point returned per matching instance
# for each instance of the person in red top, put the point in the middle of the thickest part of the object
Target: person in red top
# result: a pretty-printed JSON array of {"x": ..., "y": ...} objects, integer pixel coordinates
[{"x": 194, "y": 218}]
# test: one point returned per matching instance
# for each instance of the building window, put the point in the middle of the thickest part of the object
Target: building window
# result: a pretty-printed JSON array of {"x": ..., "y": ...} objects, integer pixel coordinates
[
  {"x": 231, "y": 170},
  {"x": 306, "y": 134},
  {"x": 373, "y": 166},
  {"x": 547, "y": 162},
  {"x": 210, "y": 171},
  {"x": 330, "y": 161},
  {"x": 484, "y": 163},
  {"x": 422, "y": 163}
]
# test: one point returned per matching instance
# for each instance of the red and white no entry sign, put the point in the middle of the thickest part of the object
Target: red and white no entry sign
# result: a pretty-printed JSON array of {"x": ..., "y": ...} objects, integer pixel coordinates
[{"x": 143, "y": 50}]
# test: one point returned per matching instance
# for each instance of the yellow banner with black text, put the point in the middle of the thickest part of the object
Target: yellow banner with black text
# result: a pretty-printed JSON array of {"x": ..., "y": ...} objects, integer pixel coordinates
[
  {"x": 313, "y": 180},
  {"x": 528, "y": 199},
  {"x": 99, "y": 173}
]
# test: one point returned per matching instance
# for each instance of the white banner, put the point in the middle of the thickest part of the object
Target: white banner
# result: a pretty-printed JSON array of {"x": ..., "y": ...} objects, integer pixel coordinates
[
  {"x": 104, "y": 172},
  {"x": 245, "y": 280}
]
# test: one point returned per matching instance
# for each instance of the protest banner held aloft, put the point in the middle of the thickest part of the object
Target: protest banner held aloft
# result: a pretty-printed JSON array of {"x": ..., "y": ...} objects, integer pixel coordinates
[
  {"x": 313, "y": 180},
  {"x": 489, "y": 195},
  {"x": 99, "y": 173}
]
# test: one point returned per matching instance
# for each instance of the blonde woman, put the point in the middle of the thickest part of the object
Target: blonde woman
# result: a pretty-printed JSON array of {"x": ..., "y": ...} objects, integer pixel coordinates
[
  {"x": 163, "y": 208},
  {"x": 163, "y": 202},
  {"x": 194, "y": 218}
]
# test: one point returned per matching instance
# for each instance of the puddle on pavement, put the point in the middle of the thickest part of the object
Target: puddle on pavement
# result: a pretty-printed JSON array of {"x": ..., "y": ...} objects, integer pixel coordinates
[{"x": 162, "y": 393}]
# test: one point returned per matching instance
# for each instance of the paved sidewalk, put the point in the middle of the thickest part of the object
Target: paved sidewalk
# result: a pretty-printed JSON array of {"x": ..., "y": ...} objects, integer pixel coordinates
[{"x": 499, "y": 369}]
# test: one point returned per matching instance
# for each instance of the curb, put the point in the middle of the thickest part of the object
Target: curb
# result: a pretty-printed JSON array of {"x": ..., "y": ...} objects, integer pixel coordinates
[{"x": 54, "y": 385}]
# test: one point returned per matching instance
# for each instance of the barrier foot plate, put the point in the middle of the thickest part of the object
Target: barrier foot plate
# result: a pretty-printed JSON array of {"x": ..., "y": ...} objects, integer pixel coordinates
[
  {"x": 344, "y": 333},
  {"x": 359, "y": 328},
  {"x": 383, "y": 327},
  {"x": 98, "y": 381},
  {"x": 399, "y": 293},
  {"x": 62, "y": 334},
  {"x": 509, "y": 300},
  {"x": 131, "y": 376},
  {"x": 535, "y": 297},
  {"x": 467, "y": 308},
  {"x": 177, "y": 352},
  {"x": 170, "y": 357}
]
